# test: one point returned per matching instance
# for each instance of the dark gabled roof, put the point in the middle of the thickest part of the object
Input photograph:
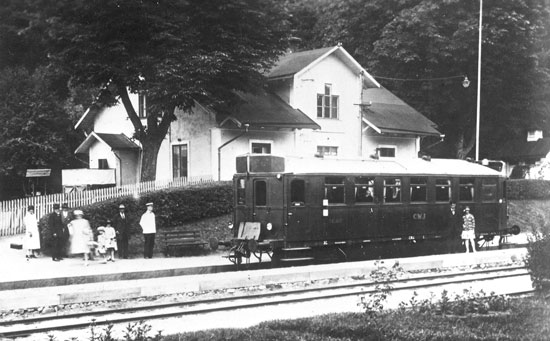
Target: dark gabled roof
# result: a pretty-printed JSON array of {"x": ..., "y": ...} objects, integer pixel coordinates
[
  {"x": 115, "y": 141},
  {"x": 118, "y": 141},
  {"x": 386, "y": 113},
  {"x": 266, "y": 110},
  {"x": 291, "y": 63},
  {"x": 522, "y": 150}
]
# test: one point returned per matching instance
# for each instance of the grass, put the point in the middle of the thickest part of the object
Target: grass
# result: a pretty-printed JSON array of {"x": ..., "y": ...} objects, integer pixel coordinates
[{"x": 528, "y": 319}]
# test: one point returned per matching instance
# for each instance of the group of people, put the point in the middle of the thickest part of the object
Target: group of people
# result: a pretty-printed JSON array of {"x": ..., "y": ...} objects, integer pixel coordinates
[
  {"x": 71, "y": 234},
  {"x": 467, "y": 223}
]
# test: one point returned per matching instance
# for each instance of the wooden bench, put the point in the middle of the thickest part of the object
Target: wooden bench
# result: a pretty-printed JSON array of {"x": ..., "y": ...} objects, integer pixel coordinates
[{"x": 174, "y": 239}]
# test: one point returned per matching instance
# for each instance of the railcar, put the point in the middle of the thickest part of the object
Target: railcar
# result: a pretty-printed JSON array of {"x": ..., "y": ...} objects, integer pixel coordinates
[{"x": 296, "y": 209}]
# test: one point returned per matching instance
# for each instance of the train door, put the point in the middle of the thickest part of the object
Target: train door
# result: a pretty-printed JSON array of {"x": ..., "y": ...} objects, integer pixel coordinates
[
  {"x": 364, "y": 214},
  {"x": 392, "y": 211},
  {"x": 298, "y": 228},
  {"x": 267, "y": 203}
]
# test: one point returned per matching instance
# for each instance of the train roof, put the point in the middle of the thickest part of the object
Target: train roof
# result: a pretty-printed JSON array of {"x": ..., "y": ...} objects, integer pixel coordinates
[{"x": 411, "y": 166}]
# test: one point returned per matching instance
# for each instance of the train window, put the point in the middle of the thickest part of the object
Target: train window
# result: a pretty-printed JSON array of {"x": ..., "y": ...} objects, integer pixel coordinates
[
  {"x": 443, "y": 190},
  {"x": 334, "y": 189},
  {"x": 241, "y": 193},
  {"x": 260, "y": 193},
  {"x": 418, "y": 189},
  {"x": 297, "y": 192},
  {"x": 489, "y": 190},
  {"x": 364, "y": 190},
  {"x": 392, "y": 190},
  {"x": 466, "y": 189}
]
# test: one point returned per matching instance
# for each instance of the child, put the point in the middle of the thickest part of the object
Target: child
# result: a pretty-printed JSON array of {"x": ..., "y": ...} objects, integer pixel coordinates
[
  {"x": 101, "y": 242},
  {"x": 110, "y": 241}
]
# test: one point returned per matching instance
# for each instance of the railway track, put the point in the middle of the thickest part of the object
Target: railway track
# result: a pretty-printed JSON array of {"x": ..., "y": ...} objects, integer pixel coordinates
[{"x": 421, "y": 282}]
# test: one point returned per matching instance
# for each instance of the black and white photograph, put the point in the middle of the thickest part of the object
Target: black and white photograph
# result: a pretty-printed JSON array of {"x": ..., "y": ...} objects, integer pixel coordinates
[{"x": 274, "y": 170}]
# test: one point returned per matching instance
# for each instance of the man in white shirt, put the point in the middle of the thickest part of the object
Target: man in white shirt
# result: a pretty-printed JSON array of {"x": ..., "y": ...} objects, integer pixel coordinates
[{"x": 149, "y": 227}]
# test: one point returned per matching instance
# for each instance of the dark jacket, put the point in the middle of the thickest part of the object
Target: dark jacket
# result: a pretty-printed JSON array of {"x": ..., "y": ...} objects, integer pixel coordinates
[
  {"x": 122, "y": 226},
  {"x": 56, "y": 226}
]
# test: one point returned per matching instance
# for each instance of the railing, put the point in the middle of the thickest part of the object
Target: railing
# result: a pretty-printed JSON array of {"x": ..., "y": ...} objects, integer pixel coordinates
[{"x": 12, "y": 212}]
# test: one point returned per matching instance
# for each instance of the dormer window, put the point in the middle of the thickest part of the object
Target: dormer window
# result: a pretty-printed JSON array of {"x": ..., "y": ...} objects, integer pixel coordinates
[
  {"x": 142, "y": 109},
  {"x": 327, "y": 104},
  {"x": 534, "y": 135}
]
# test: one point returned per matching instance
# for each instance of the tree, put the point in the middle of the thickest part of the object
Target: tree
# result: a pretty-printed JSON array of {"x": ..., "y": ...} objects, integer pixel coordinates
[
  {"x": 35, "y": 131},
  {"x": 173, "y": 51}
]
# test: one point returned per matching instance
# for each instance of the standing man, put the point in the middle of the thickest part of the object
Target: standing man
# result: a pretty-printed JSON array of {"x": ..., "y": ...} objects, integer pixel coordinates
[
  {"x": 468, "y": 230},
  {"x": 149, "y": 227},
  {"x": 454, "y": 221},
  {"x": 121, "y": 223},
  {"x": 55, "y": 225},
  {"x": 66, "y": 218}
]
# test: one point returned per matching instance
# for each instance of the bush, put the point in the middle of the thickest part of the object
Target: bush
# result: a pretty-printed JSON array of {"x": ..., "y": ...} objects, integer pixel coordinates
[
  {"x": 173, "y": 207},
  {"x": 522, "y": 189},
  {"x": 538, "y": 254}
]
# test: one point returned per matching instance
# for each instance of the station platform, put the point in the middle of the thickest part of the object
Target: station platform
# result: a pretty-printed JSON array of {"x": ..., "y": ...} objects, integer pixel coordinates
[{"x": 42, "y": 282}]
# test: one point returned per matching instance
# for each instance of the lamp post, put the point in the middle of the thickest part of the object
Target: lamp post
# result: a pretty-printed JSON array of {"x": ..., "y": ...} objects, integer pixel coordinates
[{"x": 478, "y": 78}]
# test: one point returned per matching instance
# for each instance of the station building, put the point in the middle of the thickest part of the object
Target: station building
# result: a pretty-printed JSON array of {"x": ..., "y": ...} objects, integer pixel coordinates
[{"x": 317, "y": 103}]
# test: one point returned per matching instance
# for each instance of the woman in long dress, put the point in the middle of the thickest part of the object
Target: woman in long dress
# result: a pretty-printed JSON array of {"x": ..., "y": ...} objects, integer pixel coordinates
[
  {"x": 80, "y": 235},
  {"x": 32, "y": 236}
]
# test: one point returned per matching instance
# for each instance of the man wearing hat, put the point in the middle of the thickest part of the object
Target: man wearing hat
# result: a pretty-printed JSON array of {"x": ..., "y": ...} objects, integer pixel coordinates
[
  {"x": 121, "y": 223},
  {"x": 56, "y": 230},
  {"x": 149, "y": 227}
]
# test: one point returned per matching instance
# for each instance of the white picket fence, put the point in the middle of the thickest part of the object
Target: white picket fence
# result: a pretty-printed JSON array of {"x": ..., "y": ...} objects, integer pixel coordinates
[{"x": 12, "y": 212}]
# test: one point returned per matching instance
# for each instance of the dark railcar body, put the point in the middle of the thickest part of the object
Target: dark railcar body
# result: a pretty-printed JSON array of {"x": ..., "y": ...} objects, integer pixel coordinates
[{"x": 340, "y": 204}]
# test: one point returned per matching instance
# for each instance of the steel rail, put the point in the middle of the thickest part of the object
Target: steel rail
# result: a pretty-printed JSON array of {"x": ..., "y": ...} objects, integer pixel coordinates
[{"x": 262, "y": 299}]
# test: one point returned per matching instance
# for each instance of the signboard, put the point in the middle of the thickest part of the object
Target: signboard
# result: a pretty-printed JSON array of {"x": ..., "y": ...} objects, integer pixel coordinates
[
  {"x": 38, "y": 173},
  {"x": 85, "y": 176}
]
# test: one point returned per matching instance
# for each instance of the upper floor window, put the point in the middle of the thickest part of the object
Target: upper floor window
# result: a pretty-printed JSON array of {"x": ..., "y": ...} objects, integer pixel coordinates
[
  {"x": 327, "y": 151},
  {"x": 142, "y": 106},
  {"x": 327, "y": 103}
]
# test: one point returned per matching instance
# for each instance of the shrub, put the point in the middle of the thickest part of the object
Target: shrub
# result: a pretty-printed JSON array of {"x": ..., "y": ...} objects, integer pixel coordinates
[
  {"x": 173, "y": 207},
  {"x": 538, "y": 254},
  {"x": 523, "y": 189}
]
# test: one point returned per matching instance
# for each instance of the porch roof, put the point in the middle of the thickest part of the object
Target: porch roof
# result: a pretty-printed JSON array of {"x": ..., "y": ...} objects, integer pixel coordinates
[
  {"x": 266, "y": 110},
  {"x": 115, "y": 141},
  {"x": 387, "y": 114}
]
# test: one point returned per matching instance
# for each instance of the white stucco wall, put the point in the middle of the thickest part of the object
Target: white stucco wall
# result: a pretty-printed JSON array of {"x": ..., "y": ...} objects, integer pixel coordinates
[
  {"x": 344, "y": 132},
  {"x": 405, "y": 147},
  {"x": 282, "y": 144}
]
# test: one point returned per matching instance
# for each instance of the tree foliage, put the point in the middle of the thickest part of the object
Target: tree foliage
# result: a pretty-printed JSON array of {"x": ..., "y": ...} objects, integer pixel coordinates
[
  {"x": 34, "y": 131},
  {"x": 173, "y": 51}
]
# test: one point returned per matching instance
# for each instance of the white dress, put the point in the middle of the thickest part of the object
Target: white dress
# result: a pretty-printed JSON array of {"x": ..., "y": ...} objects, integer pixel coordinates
[
  {"x": 32, "y": 236},
  {"x": 81, "y": 236}
]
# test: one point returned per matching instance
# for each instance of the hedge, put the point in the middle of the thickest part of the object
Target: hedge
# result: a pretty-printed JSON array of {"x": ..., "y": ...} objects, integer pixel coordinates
[
  {"x": 523, "y": 189},
  {"x": 173, "y": 207}
]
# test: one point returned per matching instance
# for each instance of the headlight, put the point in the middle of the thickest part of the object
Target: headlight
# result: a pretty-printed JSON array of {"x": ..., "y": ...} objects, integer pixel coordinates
[
  {"x": 230, "y": 225},
  {"x": 269, "y": 226}
]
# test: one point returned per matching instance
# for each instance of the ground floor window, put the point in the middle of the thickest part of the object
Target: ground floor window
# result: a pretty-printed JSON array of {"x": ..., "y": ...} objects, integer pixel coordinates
[
  {"x": 327, "y": 151},
  {"x": 260, "y": 147},
  {"x": 179, "y": 160},
  {"x": 386, "y": 151}
]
